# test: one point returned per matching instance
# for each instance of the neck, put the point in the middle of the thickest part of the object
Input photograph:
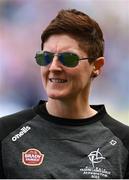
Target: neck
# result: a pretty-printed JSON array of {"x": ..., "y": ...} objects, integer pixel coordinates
[{"x": 68, "y": 109}]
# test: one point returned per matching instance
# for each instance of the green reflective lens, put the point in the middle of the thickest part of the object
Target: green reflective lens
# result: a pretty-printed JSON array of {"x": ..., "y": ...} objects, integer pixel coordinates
[
  {"x": 69, "y": 59},
  {"x": 66, "y": 58},
  {"x": 43, "y": 59},
  {"x": 39, "y": 59}
]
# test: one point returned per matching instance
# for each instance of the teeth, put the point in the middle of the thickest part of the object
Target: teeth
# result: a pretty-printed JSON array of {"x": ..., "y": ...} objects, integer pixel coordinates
[{"x": 57, "y": 80}]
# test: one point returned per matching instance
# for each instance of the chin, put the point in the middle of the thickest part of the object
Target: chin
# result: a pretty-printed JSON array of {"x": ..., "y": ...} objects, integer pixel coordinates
[{"x": 56, "y": 96}]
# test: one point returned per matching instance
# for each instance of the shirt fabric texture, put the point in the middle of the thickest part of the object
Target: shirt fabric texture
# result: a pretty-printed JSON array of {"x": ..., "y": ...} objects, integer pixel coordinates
[{"x": 37, "y": 145}]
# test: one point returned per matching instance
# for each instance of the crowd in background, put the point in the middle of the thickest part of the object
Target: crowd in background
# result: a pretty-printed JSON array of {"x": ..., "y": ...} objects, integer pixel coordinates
[{"x": 21, "y": 25}]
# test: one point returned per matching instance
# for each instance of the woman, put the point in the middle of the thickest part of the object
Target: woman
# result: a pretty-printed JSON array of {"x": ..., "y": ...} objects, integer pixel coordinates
[{"x": 66, "y": 137}]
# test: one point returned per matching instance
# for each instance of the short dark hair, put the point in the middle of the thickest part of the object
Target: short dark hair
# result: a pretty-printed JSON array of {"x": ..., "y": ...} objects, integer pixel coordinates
[{"x": 79, "y": 26}]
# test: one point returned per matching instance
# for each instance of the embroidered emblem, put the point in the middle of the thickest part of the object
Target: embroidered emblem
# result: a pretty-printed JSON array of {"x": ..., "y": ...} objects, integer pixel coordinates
[
  {"x": 113, "y": 142},
  {"x": 96, "y": 172},
  {"x": 95, "y": 157},
  {"x": 32, "y": 157}
]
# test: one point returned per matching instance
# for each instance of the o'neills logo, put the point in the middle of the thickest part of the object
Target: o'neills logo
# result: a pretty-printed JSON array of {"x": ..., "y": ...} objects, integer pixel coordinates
[
  {"x": 23, "y": 131},
  {"x": 32, "y": 157}
]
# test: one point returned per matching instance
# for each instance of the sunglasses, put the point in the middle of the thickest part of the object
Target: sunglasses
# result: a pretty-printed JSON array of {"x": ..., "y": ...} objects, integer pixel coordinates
[{"x": 66, "y": 58}]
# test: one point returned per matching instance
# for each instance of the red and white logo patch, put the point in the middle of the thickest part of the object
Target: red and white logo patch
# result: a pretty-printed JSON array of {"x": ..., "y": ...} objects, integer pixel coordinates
[{"x": 32, "y": 157}]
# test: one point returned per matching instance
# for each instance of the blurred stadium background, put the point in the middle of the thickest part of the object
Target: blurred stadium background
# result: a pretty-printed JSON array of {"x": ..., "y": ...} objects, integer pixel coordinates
[{"x": 21, "y": 24}]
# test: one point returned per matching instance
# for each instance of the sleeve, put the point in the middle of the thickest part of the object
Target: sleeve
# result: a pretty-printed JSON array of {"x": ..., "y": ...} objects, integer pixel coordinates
[
  {"x": 116, "y": 127},
  {"x": 7, "y": 125},
  {"x": 127, "y": 170},
  {"x": 2, "y": 176}
]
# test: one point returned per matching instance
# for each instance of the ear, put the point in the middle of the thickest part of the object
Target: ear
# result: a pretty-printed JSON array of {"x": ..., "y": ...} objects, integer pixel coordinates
[{"x": 97, "y": 65}]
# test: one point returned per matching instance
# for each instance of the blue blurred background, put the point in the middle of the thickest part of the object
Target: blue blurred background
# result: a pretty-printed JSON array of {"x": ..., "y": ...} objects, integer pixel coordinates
[{"x": 21, "y": 25}]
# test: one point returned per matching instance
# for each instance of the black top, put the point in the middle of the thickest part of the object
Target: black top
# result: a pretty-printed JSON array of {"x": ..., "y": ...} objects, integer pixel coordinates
[{"x": 37, "y": 145}]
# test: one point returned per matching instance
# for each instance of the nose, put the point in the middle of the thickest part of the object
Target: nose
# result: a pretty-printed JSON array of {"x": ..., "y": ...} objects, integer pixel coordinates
[{"x": 55, "y": 65}]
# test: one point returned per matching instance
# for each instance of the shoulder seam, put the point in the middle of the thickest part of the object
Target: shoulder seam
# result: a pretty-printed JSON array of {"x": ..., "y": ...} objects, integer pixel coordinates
[
  {"x": 116, "y": 128},
  {"x": 11, "y": 122}
]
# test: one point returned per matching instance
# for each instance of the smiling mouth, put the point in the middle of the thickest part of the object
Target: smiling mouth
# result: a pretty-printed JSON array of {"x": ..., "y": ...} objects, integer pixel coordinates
[{"x": 56, "y": 80}]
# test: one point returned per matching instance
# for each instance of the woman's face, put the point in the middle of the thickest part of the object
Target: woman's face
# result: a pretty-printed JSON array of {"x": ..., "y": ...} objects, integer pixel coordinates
[{"x": 61, "y": 82}]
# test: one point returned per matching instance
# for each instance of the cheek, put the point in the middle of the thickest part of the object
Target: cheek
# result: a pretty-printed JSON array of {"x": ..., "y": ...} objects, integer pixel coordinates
[
  {"x": 84, "y": 76},
  {"x": 83, "y": 72},
  {"x": 43, "y": 73}
]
